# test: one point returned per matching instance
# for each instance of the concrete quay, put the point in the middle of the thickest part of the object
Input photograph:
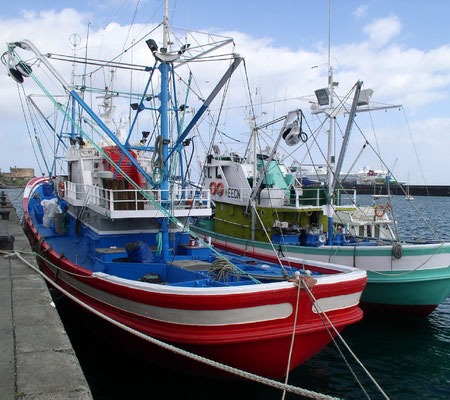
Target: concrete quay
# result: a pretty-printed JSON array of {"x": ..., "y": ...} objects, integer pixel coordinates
[{"x": 37, "y": 359}]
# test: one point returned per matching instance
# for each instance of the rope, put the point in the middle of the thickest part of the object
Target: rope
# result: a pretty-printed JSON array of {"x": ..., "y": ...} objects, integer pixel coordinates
[
  {"x": 412, "y": 270},
  {"x": 320, "y": 311},
  {"x": 253, "y": 377},
  {"x": 36, "y": 254},
  {"x": 159, "y": 244},
  {"x": 158, "y": 161},
  {"x": 340, "y": 351},
  {"x": 298, "y": 282},
  {"x": 397, "y": 250}
]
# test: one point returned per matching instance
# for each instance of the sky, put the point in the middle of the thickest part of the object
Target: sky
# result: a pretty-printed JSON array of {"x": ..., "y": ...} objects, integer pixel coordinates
[{"x": 399, "y": 49}]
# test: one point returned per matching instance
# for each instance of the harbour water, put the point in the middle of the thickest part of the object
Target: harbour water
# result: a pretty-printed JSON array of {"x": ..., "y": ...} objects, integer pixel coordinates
[{"x": 409, "y": 357}]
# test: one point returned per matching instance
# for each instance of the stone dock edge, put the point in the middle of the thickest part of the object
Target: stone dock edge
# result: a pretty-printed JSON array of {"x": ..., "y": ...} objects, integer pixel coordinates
[{"x": 37, "y": 359}]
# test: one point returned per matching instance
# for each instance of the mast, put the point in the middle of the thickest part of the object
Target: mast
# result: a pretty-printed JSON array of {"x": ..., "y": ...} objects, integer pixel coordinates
[
  {"x": 330, "y": 153},
  {"x": 255, "y": 171},
  {"x": 164, "y": 114}
]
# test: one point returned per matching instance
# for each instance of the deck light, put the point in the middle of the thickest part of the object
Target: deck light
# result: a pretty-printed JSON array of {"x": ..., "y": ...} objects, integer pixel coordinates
[
  {"x": 364, "y": 97},
  {"x": 184, "y": 48},
  {"x": 152, "y": 45},
  {"x": 323, "y": 96}
]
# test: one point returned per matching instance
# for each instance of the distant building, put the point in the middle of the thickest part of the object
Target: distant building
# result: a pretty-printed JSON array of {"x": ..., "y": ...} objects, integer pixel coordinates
[{"x": 18, "y": 173}]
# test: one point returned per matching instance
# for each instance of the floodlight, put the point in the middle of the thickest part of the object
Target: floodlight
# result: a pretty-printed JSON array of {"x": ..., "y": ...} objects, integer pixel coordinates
[
  {"x": 184, "y": 48},
  {"x": 152, "y": 45},
  {"x": 323, "y": 96},
  {"x": 364, "y": 97}
]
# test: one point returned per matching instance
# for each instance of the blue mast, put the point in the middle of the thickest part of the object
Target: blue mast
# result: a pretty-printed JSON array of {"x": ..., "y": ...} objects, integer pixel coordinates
[
  {"x": 165, "y": 58},
  {"x": 164, "y": 99}
]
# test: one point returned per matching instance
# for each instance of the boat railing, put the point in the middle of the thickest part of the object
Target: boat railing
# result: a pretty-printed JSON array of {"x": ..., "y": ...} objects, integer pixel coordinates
[
  {"x": 74, "y": 193},
  {"x": 132, "y": 203},
  {"x": 300, "y": 197},
  {"x": 345, "y": 197},
  {"x": 317, "y": 197}
]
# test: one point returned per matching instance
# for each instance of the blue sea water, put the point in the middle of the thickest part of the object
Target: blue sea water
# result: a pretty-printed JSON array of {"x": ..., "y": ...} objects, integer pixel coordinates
[{"x": 408, "y": 357}]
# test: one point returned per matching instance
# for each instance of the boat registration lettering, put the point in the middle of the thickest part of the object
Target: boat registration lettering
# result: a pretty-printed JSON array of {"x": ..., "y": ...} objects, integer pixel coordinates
[{"x": 234, "y": 193}]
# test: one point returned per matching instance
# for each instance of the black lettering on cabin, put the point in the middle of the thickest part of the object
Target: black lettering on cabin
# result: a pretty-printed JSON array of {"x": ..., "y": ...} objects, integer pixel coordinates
[{"x": 234, "y": 193}]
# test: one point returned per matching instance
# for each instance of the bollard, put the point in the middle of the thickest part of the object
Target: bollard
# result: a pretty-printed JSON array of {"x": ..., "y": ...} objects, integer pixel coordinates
[
  {"x": 4, "y": 214},
  {"x": 7, "y": 242}
]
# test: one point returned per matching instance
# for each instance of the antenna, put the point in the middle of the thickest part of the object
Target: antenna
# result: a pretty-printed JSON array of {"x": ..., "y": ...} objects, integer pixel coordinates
[
  {"x": 74, "y": 40},
  {"x": 329, "y": 34}
]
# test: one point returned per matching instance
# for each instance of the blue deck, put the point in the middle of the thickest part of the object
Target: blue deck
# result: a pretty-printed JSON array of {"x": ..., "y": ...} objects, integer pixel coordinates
[{"x": 190, "y": 265}]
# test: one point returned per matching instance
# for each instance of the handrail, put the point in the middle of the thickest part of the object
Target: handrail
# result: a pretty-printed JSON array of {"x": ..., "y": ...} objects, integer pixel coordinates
[
  {"x": 133, "y": 200},
  {"x": 312, "y": 197}
]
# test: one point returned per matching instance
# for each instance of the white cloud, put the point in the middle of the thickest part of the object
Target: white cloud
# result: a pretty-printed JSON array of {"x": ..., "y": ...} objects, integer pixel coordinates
[
  {"x": 361, "y": 11},
  {"x": 422, "y": 149},
  {"x": 412, "y": 77},
  {"x": 382, "y": 30}
]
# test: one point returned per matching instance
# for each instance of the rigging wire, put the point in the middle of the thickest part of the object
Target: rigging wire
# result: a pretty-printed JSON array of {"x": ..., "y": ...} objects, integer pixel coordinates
[
  {"x": 252, "y": 108},
  {"x": 37, "y": 126},
  {"x": 433, "y": 232},
  {"x": 29, "y": 133},
  {"x": 216, "y": 128},
  {"x": 83, "y": 81},
  {"x": 415, "y": 150},
  {"x": 125, "y": 50},
  {"x": 129, "y": 30}
]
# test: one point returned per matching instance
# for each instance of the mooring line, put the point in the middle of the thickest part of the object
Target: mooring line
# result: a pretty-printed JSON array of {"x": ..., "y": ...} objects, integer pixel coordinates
[{"x": 232, "y": 370}]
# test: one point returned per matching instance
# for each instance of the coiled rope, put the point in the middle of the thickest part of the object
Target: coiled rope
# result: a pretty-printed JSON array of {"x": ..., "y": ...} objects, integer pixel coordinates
[{"x": 235, "y": 371}]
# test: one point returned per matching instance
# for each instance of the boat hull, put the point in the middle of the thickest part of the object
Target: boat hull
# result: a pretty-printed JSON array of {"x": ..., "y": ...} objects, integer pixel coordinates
[
  {"x": 415, "y": 283},
  {"x": 418, "y": 292},
  {"x": 248, "y": 327}
]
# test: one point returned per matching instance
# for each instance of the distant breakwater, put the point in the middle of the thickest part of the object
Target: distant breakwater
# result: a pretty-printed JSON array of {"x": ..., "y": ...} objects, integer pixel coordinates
[{"x": 400, "y": 190}]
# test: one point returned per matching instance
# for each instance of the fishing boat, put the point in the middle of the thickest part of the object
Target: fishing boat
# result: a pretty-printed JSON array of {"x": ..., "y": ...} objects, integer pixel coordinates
[
  {"x": 113, "y": 229},
  {"x": 261, "y": 204}
]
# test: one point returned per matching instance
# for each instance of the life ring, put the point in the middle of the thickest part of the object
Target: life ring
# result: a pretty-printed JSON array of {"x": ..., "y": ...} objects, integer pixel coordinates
[
  {"x": 61, "y": 189},
  {"x": 380, "y": 210},
  {"x": 220, "y": 189},
  {"x": 213, "y": 187}
]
